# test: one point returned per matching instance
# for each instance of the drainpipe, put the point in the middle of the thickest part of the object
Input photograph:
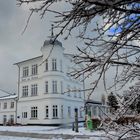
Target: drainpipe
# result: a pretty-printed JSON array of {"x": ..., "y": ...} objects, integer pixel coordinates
[
  {"x": 17, "y": 91},
  {"x": 84, "y": 88}
]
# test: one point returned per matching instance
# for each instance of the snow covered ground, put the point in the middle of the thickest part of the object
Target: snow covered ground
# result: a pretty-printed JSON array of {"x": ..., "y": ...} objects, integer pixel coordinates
[{"x": 47, "y": 130}]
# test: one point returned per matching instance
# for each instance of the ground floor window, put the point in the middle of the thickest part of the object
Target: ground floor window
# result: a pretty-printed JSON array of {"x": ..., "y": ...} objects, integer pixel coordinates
[
  {"x": 34, "y": 112},
  {"x": 69, "y": 111},
  {"x": 11, "y": 120},
  {"x": 47, "y": 111},
  {"x": 55, "y": 111},
  {"x": 4, "y": 119},
  {"x": 24, "y": 114},
  {"x": 62, "y": 112}
]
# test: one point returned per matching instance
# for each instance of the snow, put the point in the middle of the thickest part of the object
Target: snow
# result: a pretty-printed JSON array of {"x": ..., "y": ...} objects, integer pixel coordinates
[
  {"x": 8, "y": 97},
  {"x": 48, "y": 130},
  {"x": 16, "y": 138},
  {"x": 27, "y": 138}
]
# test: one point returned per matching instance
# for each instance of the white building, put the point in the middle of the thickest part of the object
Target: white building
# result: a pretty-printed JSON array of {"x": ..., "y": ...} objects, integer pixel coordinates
[
  {"x": 44, "y": 88},
  {"x": 8, "y": 106}
]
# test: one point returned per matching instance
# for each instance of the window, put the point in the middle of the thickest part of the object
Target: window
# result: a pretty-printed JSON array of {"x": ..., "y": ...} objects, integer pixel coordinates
[
  {"x": 61, "y": 66},
  {"x": 12, "y": 118},
  {"x": 62, "y": 112},
  {"x": 24, "y": 91},
  {"x": 34, "y": 89},
  {"x": 34, "y": 69},
  {"x": 68, "y": 89},
  {"x": 69, "y": 111},
  {"x": 34, "y": 113},
  {"x": 4, "y": 119},
  {"x": 55, "y": 111},
  {"x": 5, "y": 106},
  {"x": 12, "y": 105},
  {"x": 94, "y": 110},
  {"x": 47, "y": 111},
  {"x": 75, "y": 95},
  {"x": 79, "y": 93},
  {"x": 46, "y": 65},
  {"x": 54, "y": 86},
  {"x": 54, "y": 66},
  {"x": 25, "y": 71},
  {"x": 46, "y": 87},
  {"x": 24, "y": 114},
  {"x": 62, "y": 87}
]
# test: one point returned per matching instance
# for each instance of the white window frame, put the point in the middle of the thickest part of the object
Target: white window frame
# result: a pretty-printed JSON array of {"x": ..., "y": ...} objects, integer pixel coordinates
[
  {"x": 54, "y": 86},
  {"x": 34, "y": 69},
  {"x": 62, "y": 91},
  {"x": 47, "y": 112},
  {"x": 69, "y": 111},
  {"x": 68, "y": 89},
  {"x": 24, "y": 114},
  {"x": 5, "y": 105},
  {"x": 25, "y": 71},
  {"x": 34, "y": 112},
  {"x": 12, "y": 105},
  {"x": 62, "y": 111},
  {"x": 34, "y": 90},
  {"x": 55, "y": 112},
  {"x": 61, "y": 65},
  {"x": 46, "y": 87},
  {"x": 25, "y": 91},
  {"x": 54, "y": 64}
]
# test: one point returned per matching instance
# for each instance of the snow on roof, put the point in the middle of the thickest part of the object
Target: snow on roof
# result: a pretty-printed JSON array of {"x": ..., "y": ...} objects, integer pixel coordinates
[{"x": 12, "y": 96}]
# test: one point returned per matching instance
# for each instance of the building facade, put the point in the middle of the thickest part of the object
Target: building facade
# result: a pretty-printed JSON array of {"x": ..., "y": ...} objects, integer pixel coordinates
[
  {"x": 46, "y": 93},
  {"x": 8, "y": 105}
]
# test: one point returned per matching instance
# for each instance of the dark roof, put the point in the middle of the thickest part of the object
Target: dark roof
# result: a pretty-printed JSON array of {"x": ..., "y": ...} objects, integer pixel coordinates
[
  {"x": 92, "y": 102},
  {"x": 52, "y": 42}
]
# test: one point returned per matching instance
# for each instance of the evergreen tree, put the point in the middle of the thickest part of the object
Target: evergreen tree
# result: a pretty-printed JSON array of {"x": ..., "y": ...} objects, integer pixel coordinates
[
  {"x": 112, "y": 101},
  {"x": 138, "y": 105}
]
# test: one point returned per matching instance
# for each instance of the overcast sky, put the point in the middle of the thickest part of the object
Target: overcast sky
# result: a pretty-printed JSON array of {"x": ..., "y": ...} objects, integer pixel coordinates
[{"x": 15, "y": 47}]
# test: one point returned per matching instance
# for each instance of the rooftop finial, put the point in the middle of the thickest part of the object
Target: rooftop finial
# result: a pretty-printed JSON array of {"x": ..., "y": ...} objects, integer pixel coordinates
[{"x": 52, "y": 34}]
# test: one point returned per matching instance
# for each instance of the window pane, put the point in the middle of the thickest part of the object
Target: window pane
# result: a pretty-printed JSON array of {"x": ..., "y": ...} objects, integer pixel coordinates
[
  {"x": 54, "y": 65},
  {"x": 34, "y": 112},
  {"x": 46, "y": 87},
  {"x": 34, "y": 69},
  {"x": 47, "y": 111},
  {"x": 55, "y": 111},
  {"x": 54, "y": 86},
  {"x": 34, "y": 90},
  {"x": 25, "y": 71},
  {"x": 25, "y": 91}
]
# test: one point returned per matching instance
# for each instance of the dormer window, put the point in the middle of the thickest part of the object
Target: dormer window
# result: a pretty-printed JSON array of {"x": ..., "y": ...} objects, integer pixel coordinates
[
  {"x": 34, "y": 69},
  {"x": 25, "y": 71},
  {"x": 54, "y": 65}
]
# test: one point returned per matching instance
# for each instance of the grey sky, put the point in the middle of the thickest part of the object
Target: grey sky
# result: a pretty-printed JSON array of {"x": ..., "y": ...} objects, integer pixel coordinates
[{"x": 15, "y": 47}]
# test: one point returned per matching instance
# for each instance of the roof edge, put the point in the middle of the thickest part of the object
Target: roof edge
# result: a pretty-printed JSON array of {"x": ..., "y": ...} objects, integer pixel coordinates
[{"x": 28, "y": 60}]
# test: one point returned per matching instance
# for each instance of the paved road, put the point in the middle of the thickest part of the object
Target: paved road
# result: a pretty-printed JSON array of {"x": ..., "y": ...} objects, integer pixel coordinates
[{"x": 43, "y": 136}]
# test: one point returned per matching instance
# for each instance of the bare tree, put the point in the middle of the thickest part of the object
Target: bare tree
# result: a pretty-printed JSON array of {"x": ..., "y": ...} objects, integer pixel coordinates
[{"x": 110, "y": 42}]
